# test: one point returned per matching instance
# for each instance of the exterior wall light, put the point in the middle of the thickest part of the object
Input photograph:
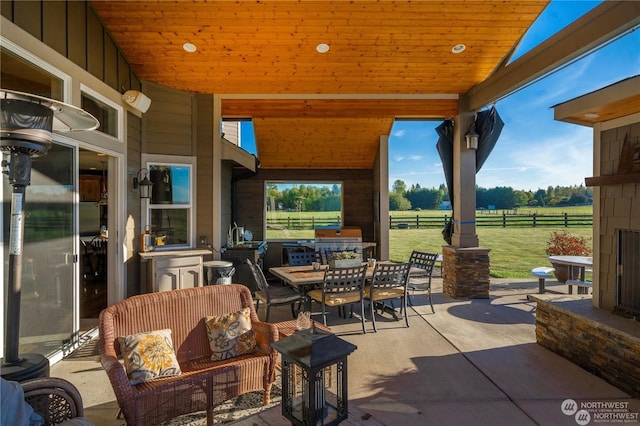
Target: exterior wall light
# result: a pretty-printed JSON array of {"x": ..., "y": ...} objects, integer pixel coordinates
[
  {"x": 472, "y": 136},
  {"x": 145, "y": 184}
]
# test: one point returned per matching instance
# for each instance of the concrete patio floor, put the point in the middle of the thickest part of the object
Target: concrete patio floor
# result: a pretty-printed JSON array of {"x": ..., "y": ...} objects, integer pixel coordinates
[{"x": 472, "y": 362}]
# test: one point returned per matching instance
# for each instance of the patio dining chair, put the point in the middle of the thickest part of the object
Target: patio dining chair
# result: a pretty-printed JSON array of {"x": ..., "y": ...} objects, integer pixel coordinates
[
  {"x": 303, "y": 258},
  {"x": 341, "y": 286},
  {"x": 273, "y": 295},
  {"x": 426, "y": 262},
  {"x": 389, "y": 282}
]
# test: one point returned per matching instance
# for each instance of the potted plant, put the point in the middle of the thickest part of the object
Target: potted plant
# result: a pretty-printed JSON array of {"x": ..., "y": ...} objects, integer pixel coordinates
[
  {"x": 344, "y": 259},
  {"x": 566, "y": 244}
]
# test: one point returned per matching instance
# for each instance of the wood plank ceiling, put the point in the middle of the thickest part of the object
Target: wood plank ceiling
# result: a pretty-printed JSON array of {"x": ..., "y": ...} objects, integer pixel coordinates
[{"x": 386, "y": 60}]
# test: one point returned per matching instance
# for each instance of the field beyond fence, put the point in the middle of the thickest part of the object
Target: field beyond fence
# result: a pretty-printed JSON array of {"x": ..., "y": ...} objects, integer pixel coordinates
[
  {"x": 427, "y": 219},
  {"x": 514, "y": 249}
]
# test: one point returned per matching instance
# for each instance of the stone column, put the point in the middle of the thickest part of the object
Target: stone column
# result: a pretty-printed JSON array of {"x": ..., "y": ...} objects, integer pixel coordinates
[{"x": 465, "y": 272}]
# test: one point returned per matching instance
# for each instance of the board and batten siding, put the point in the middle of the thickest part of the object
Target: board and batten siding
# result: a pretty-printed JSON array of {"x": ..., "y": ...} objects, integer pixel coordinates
[
  {"x": 74, "y": 30},
  {"x": 168, "y": 127}
]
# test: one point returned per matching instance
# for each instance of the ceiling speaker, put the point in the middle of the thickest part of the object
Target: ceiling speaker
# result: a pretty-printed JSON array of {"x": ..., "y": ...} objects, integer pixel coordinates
[{"x": 137, "y": 100}]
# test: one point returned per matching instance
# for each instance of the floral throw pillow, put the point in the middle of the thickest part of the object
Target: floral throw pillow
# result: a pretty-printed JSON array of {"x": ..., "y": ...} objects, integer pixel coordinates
[
  {"x": 149, "y": 355},
  {"x": 230, "y": 335}
]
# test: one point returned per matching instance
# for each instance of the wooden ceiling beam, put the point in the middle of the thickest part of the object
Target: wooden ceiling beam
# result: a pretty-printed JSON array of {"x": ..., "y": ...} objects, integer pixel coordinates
[{"x": 604, "y": 23}]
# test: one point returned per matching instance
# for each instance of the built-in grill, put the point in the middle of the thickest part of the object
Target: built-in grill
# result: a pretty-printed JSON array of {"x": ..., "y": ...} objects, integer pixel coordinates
[
  {"x": 329, "y": 239},
  {"x": 628, "y": 272}
]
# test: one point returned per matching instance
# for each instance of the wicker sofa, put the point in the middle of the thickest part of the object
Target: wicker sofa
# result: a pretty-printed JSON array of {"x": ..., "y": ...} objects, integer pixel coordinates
[{"x": 203, "y": 383}]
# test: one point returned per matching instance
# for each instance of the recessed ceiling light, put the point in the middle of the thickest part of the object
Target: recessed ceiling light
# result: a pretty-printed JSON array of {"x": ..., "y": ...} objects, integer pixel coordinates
[
  {"x": 322, "y": 48},
  {"x": 189, "y": 47},
  {"x": 458, "y": 48},
  {"x": 591, "y": 115}
]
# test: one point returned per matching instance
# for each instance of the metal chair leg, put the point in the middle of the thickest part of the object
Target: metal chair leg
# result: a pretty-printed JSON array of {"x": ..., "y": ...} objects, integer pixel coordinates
[
  {"x": 406, "y": 312},
  {"x": 372, "y": 308},
  {"x": 430, "y": 302},
  {"x": 324, "y": 313}
]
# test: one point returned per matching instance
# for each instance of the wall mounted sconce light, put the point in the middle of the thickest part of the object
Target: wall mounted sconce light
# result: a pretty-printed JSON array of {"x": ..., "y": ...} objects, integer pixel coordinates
[
  {"x": 472, "y": 136},
  {"x": 145, "y": 184}
]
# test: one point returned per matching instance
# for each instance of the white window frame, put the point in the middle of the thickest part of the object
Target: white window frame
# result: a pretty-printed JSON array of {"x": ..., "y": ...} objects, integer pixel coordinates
[
  {"x": 118, "y": 108},
  {"x": 146, "y": 206}
]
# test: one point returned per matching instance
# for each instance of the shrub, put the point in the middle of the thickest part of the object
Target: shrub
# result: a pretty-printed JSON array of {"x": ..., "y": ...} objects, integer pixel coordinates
[
  {"x": 341, "y": 255},
  {"x": 565, "y": 244}
]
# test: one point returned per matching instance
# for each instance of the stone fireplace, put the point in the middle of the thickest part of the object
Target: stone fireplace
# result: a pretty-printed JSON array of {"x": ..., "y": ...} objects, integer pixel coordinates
[{"x": 628, "y": 273}]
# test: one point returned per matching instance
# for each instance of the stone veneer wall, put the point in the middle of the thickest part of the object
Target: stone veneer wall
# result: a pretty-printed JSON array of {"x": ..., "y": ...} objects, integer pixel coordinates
[
  {"x": 592, "y": 341},
  {"x": 465, "y": 272}
]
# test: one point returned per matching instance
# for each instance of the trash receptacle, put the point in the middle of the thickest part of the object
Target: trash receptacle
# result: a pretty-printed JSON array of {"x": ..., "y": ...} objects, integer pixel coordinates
[{"x": 218, "y": 272}]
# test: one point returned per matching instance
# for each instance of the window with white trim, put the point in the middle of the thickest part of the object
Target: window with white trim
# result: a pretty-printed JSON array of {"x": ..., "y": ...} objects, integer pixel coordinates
[{"x": 170, "y": 212}]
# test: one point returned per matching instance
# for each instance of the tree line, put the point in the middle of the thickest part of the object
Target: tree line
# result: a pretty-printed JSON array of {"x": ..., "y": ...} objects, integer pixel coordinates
[
  {"x": 502, "y": 197},
  {"x": 304, "y": 198},
  {"x": 319, "y": 198}
]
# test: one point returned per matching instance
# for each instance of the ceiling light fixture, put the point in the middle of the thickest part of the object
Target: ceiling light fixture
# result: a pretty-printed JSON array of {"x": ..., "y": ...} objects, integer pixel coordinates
[
  {"x": 189, "y": 47},
  {"x": 458, "y": 48},
  {"x": 591, "y": 115},
  {"x": 322, "y": 48}
]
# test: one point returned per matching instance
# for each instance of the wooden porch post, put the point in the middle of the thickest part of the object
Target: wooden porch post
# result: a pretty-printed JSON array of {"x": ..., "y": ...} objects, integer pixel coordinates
[{"x": 465, "y": 264}]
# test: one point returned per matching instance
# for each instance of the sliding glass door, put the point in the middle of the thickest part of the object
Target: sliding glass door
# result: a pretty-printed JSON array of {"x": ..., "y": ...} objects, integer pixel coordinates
[{"x": 49, "y": 295}]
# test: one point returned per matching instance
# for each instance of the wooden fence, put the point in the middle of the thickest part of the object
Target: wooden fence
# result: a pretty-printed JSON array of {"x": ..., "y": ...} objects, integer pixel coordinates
[
  {"x": 302, "y": 222},
  {"x": 505, "y": 220},
  {"x": 420, "y": 222}
]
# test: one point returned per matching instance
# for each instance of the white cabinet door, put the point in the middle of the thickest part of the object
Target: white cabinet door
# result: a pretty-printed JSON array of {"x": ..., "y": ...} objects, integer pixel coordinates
[
  {"x": 171, "y": 273},
  {"x": 190, "y": 277},
  {"x": 166, "y": 279}
]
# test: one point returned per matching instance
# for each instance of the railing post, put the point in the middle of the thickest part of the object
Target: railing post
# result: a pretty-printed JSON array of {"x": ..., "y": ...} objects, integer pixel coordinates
[
  {"x": 417, "y": 221},
  {"x": 504, "y": 219},
  {"x": 390, "y": 222},
  {"x": 534, "y": 220},
  {"x": 566, "y": 220}
]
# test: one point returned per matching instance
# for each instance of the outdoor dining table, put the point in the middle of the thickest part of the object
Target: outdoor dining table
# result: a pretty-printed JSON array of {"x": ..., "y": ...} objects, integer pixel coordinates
[
  {"x": 305, "y": 278},
  {"x": 579, "y": 263}
]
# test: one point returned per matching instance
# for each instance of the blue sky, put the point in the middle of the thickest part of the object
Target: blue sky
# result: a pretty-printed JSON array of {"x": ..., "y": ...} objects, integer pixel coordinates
[{"x": 534, "y": 151}]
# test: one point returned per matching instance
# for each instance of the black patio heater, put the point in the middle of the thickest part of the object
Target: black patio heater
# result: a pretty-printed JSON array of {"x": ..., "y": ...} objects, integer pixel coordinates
[
  {"x": 312, "y": 351},
  {"x": 26, "y": 123}
]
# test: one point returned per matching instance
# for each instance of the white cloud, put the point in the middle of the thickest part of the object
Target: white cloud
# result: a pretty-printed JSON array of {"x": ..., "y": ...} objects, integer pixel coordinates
[
  {"x": 398, "y": 158},
  {"x": 564, "y": 159},
  {"x": 415, "y": 157},
  {"x": 399, "y": 133}
]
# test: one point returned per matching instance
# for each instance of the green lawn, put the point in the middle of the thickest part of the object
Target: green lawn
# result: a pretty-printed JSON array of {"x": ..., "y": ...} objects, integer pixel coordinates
[{"x": 514, "y": 251}]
